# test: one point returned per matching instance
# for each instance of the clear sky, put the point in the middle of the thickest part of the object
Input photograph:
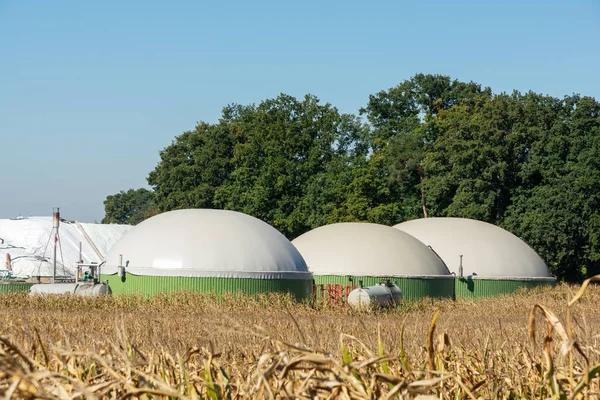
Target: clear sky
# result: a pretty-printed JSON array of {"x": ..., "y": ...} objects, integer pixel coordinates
[{"x": 90, "y": 92}]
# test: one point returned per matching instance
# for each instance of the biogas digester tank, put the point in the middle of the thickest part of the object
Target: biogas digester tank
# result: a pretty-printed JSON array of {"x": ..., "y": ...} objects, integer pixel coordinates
[
  {"x": 486, "y": 259},
  {"x": 202, "y": 250},
  {"x": 341, "y": 253},
  {"x": 384, "y": 295}
]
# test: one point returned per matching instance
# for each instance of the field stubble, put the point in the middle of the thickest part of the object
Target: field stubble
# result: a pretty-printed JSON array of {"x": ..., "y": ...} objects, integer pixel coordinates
[{"x": 200, "y": 346}]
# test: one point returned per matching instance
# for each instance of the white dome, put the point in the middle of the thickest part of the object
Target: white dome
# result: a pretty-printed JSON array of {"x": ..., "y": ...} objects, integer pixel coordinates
[
  {"x": 487, "y": 250},
  {"x": 363, "y": 249},
  {"x": 203, "y": 243}
]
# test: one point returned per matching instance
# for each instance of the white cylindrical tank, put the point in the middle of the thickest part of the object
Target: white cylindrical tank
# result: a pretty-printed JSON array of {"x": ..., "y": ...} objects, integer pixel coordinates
[
  {"x": 384, "y": 295},
  {"x": 79, "y": 289},
  {"x": 93, "y": 289},
  {"x": 396, "y": 294},
  {"x": 52, "y": 288}
]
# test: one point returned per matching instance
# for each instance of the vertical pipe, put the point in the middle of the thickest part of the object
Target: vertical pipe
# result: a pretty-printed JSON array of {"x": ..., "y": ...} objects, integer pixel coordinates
[
  {"x": 55, "y": 224},
  {"x": 54, "y": 264},
  {"x": 460, "y": 268}
]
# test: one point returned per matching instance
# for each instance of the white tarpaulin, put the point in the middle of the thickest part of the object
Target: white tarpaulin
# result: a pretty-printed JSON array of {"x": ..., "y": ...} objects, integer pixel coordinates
[{"x": 30, "y": 244}]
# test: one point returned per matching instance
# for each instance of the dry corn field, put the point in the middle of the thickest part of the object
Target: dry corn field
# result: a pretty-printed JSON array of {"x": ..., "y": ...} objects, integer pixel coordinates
[{"x": 193, "y": 346}]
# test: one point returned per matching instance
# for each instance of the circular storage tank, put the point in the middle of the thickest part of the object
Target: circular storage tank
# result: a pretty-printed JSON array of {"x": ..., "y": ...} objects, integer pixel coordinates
[
  {"x": 371, "y": 253},
  {"x": 494, "y": 261},
  {"x": 206, "y": 250}
]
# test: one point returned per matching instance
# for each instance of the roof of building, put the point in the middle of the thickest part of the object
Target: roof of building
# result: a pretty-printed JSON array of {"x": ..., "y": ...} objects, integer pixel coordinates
[
  {"x": 365, "y": 249},
  {"x": 487, "y": 250},
  {"x": 207, "y": 243}
]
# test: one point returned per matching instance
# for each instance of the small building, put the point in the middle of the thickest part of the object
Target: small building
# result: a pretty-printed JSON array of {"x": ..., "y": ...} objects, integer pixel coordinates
[
  {"x": 371, "y": 253},
  {"x": 209, "y": 251},
  {"x": 486, "y": 259}
]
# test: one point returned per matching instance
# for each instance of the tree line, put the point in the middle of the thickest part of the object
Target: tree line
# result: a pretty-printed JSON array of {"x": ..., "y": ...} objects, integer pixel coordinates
[{"x": 430, "y": 146}]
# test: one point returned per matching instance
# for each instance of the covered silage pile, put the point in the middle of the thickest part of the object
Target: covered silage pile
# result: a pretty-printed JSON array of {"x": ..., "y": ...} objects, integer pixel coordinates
[{"x": 30, "y": 244}]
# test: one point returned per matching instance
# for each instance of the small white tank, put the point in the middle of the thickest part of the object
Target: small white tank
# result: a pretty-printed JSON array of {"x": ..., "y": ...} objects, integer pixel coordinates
[
  {"x": 396, "y": 293},
  {"x": 92, "y": 289},
  {"x": 52, "y": 288},
  {"x": 384, "y": 295},
  {"x": 79, "y": 289}
]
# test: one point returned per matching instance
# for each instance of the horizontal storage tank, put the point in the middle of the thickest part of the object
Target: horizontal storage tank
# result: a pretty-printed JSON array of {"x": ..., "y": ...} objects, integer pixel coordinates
[
  {"x": 53, "y": 288},
  {"x": 79, "y": 289},
  {"x": 384, "y": 295},
  {"x": 486, "y": 259},
  {"x": 371, "y": 253},
  {"x": 206, "y": 250}
]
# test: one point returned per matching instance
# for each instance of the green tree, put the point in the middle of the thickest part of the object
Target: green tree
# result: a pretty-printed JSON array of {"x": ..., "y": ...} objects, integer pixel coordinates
[
  {"x": 555, "y": 209},
  {"x": 403, "y": 132},
  {"x": 472, "y": 166},
  {"x": 130, "y": 207},
  {"x": 194, "y": 166},
  {"x": 283, "y": 146},
  {"x": 265, "y": 160}
]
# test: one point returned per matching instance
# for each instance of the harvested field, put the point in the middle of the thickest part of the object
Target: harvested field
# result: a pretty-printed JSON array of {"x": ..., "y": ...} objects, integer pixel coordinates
[{"x": 194, "y": 346}]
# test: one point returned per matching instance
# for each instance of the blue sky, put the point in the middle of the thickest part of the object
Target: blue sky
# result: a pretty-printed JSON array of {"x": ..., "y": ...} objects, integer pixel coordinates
[{"x": 90, "y": 92}]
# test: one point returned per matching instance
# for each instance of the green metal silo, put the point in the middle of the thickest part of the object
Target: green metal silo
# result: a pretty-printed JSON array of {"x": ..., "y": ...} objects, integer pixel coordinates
[
  {"x": 486, "y": 259},
  {"x": 371, "y": 253},
  {"x": 205, "y": 250}
]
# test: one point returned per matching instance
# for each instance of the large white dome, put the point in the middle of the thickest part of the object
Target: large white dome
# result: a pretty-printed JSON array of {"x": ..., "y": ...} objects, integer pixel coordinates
[
  {"x": 487, "y": 250},
  {"x": 364, "y": 249},
  {"x": 207, "y": 243}
]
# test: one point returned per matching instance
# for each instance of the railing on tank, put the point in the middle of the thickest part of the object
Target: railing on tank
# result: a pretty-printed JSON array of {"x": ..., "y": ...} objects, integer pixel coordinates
[{"x": 331, "y": 294}]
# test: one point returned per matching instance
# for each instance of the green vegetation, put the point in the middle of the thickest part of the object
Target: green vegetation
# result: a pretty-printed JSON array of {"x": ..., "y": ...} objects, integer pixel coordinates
[
  {"x": 130, "y": 207},
  {"x": 431, "y": 146}
]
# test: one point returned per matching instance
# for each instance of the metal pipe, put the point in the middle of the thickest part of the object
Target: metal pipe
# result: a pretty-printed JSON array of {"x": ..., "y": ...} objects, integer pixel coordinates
[
  {"x": 55, "y": 225},
  {"x": 54, "y": 263},
  {"x": 89, "y": 240},
  {"x": 460, "y": 267}
]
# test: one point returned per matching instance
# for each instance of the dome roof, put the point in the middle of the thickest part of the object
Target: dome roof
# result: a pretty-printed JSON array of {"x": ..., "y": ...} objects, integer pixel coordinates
[
  {"x": 487, "y": 250},
  {"x": 207, "y": 243},
  {"x": 364, "y": 249}
]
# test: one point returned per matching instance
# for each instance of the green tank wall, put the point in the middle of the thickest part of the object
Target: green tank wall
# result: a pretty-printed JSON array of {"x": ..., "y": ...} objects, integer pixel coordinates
[
  {"x": 14, "y": 287},
  {"x": 412, "y": 288},
  {"x": 475, "y": 288},
  {"x": 149, "y": 285}
]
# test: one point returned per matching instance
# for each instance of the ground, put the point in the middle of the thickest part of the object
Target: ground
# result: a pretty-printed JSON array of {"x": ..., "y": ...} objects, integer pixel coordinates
[{"x": 192, "y": 345}]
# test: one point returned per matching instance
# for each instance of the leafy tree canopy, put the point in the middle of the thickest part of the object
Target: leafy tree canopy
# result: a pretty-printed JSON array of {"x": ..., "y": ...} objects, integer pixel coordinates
[
  {"x": 130, "y": 207},
  {"x": 430, "y": 146}
]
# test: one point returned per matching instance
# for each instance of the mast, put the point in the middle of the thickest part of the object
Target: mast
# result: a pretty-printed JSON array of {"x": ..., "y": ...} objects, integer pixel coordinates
[{"x": 55, "y": 225}]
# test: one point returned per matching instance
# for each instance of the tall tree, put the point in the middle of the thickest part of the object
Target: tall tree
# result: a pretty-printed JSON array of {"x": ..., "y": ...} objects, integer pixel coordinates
[
  {"x": 264, "y": 160},
  {"x": 283, "y": 144},
  {"x": 471, "y": 168},
  {"x": 555, "y": 209},
  {"x": 403, "y": 131},
  {"x": 194, "y": 166}
]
